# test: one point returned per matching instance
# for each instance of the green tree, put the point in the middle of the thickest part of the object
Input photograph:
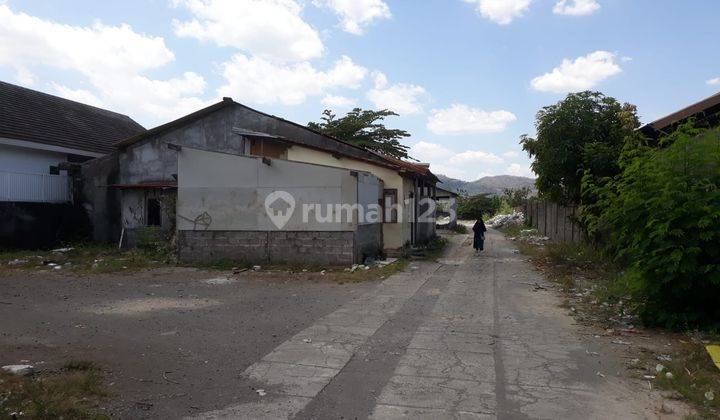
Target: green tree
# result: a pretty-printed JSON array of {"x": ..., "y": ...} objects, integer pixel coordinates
[
  {"x": 662, "y": 217},
  {"x": 477, "y": 206},
  {"x": 364, "y": 128},
  {"x": 580, "y": 136},
  {"x": 516, "y": 197}
]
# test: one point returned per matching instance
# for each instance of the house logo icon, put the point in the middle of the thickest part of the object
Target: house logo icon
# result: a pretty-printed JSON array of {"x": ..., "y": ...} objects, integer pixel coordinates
[{"x": 279, "y": 206}]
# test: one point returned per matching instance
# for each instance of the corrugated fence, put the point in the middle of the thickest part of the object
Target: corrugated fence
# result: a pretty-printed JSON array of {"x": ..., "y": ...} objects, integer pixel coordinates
[
  {"x": 553, "y": 220},
  {"x": 34, "y": 188}
]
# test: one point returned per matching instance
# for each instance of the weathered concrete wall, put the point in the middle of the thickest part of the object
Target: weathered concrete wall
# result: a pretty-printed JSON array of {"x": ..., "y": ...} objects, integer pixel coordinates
[
  {"x": 101, "y": 203},
  {"x": 368, "y": 241},
  {"x": 230, "y": 191},
  {"x": 395, "y": 235},
  {"x": 151, "y": 160},
  {"x": 276, "y": 247}
]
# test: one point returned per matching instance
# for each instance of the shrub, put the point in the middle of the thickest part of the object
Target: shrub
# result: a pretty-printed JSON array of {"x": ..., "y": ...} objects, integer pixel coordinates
[
  {"x": 471, "y": 208},
  {"x": 662, "y": 216}
]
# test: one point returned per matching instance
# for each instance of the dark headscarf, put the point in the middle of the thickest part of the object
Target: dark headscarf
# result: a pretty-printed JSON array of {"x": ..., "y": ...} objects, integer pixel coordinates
[{"x": 479, "y": 226}]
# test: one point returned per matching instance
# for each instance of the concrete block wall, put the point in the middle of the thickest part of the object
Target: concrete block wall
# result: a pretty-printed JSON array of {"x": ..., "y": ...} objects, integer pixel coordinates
[{"x": 322, "y": 248}]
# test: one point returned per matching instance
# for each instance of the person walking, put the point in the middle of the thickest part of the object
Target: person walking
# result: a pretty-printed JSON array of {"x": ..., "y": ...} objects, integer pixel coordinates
[{"x": 479, "y": 239}]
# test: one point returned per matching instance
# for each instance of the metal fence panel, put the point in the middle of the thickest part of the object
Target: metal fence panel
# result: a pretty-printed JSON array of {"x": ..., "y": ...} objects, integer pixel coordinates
[{"x": 34, "y": 188}]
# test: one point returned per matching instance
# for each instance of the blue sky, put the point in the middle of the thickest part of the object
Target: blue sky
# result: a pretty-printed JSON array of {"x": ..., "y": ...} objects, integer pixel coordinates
[{"x": 467, "y": 76}]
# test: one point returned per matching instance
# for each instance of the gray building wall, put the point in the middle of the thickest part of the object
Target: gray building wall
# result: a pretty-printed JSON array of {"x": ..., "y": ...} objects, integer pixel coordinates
[
  {"x": 228, "y": 194},
  {"x": 102, "y": 203}
]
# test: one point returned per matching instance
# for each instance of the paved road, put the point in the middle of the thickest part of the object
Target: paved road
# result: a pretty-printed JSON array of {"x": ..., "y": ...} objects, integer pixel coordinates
[{"x": 466, "y": 337}]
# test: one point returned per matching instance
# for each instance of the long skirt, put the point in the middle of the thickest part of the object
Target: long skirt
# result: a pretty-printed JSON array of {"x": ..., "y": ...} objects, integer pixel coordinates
[{"x": 479, "y": 241}]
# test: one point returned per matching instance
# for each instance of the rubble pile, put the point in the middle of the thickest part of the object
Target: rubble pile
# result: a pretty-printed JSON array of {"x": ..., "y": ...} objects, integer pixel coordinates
[
  {"x": 505, "y": 220},
  {"x": 530, "y": 236}
]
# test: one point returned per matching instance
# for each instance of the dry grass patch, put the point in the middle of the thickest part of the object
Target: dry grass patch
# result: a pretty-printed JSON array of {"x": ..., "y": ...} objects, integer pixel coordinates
[{"x": 73, "y": 392}]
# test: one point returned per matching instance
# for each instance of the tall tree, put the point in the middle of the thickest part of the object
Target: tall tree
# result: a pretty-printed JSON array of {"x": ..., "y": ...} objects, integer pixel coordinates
[
  {"x": 364, "y": 128},
  {"x": 580, "y": 136}
]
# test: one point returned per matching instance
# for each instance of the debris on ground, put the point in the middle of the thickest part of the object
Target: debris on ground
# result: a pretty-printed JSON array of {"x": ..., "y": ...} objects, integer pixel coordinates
[
  {"x": 506, "y": 220},
  {"x": 17, "y": 261},
  {"x": 257, "y": 268},
  {"x": 386, "y": 261},
  {"x": 61, "y": 250},
  {"x": 261, "y": 392},
  {"x": 709, "y": 395},
  {"x": 20, "y": 370}
]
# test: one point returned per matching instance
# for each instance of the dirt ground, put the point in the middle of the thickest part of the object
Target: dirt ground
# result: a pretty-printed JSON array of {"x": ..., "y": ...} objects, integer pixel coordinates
[{"x": 166, "y": 338}]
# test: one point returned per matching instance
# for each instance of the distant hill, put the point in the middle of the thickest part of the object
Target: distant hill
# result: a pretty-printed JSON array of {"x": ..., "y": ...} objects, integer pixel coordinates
[{"x": 487, "y": 185}]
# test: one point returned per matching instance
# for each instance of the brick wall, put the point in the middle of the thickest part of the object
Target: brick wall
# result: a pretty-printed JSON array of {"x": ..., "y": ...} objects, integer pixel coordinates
[{"x": 323, "y": 248}]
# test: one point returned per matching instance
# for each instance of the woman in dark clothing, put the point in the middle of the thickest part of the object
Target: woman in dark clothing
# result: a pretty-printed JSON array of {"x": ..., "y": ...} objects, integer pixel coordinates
[{"x": 479, "y": 239}]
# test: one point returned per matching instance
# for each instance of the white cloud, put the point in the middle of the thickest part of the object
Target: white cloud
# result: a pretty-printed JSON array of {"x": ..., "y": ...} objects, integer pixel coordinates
[
  {"x": 111, "y": 58},
  {"x": 475, "y": 157},
  {"x": 272, "y": 29},
  {"x": 520, "y": 170},
  {"x": 405, "y": 99},
  {"x": 579, "y": 74},
  {"x": 337, "y": 101},
  {"x": 462, "y": 119},
  {"x": 426, "y": 152},
  {"x": 355, "y": 14},
  {"x": 511, "y": 154},
  {"x": 501, "y": 12},
  {"x": 576, "y": 7},
  {"x": 24, "y": 77},
  {"x": 259, "y": 81},
  {"x": 464, "y": 165},
  {"x": 77, "y": 95},
  {"x": 715, "y": 81}
]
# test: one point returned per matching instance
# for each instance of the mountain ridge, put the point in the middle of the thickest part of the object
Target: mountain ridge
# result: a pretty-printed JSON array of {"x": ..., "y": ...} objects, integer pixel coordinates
[{"x": 487, "y": 184}]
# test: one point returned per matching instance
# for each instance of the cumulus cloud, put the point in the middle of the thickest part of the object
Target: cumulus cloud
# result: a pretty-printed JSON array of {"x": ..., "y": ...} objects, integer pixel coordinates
[
  {"x": 511, "y": 154},
  {"x": 520, "y": 170},
  {"x": 259, "y": 81},
  {"x": 111, "y": 58},
  {"x": 77, "y": 95},
  {"x": 356, "y": 14},
  {"x": 405, "y": 99},
  {"x": 475, "y": 157},
  {"x": 338, "y": 101},
  {"x": 576, "y": 7},
  {"x": 462, "y": 119},
  {"x": 501, "y": 12},
  {"x": 713, "y": 82},
  {"x": 464, "y": 165},
  {"x": 271, "y": 29},
  {"x": 579, "y": 74}
]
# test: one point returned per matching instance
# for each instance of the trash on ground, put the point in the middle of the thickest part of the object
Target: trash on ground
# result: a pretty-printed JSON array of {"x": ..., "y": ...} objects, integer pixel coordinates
[
  {"x": 620, "y": 342},
  {"x": 504, "y": 220},
  {"x": 709, "y": 395},
  {"x": 307, "y": 340},
  {"x": 63, "y": 249},
  {"x": 659, "y": 368},
  {"x": 386, "y": 261},
  {"x": 669, "y": 375},
  {"x": 21, "y": 370},
  {"x": 261, "y": 392},
  {"x": 257, "y": 268},
  {"x": 17, "y": 262}
]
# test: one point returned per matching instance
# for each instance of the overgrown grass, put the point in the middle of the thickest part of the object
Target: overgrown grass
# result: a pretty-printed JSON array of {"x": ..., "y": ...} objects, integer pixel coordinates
[
  {"x": 74, "y": 392},
  {"x": 693, "y": 375},
  {"x": 434, "y": 249},
  {"x": 86, "y": 258}
]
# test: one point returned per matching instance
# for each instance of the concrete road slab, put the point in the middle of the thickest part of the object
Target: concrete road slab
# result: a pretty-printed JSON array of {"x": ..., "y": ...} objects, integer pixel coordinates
[{"x": 439, "y": 393}]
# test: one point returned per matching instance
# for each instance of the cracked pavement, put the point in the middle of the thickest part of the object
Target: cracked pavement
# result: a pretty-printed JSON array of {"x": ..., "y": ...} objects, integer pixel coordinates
[{"x": 464, "y": 337}]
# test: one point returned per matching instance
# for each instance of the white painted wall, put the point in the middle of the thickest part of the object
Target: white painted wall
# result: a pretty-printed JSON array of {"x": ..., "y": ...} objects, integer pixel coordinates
[
  {"x": 232, "y": 189},
  {"x": 28, "y": 161}
]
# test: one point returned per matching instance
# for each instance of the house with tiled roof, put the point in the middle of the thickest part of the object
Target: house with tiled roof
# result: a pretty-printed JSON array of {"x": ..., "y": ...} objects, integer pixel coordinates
[{"x": 148, "y": 177}]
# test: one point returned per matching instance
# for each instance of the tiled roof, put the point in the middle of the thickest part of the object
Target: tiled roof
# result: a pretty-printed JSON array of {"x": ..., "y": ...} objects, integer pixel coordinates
[{"x": 29, "y": 115}]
